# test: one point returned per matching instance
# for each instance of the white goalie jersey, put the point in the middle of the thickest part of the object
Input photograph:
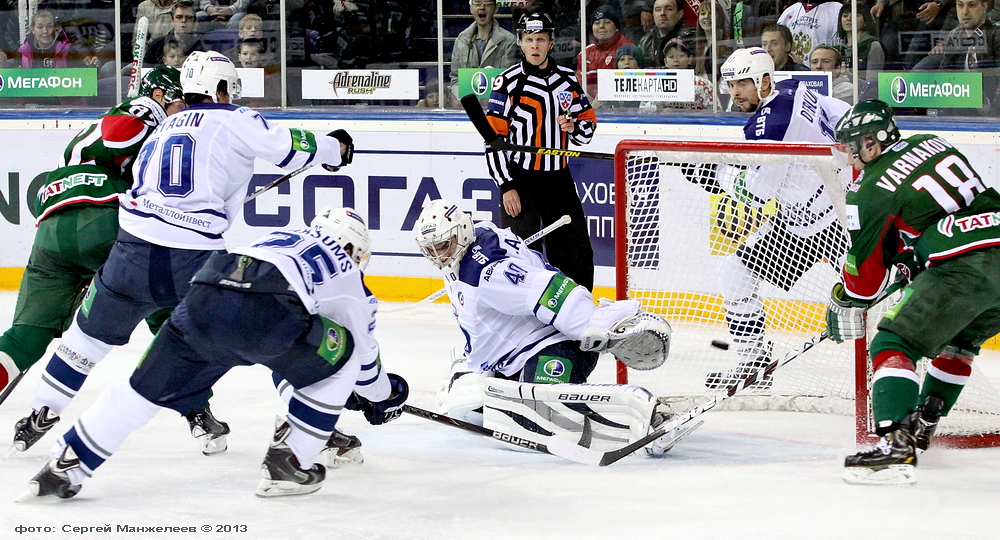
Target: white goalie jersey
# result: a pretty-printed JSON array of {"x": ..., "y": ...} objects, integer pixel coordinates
[{"x": 510, "y": 303}]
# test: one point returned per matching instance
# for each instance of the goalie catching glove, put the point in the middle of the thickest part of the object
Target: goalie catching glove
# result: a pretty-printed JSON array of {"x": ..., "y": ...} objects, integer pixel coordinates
[
  {"x": 380, "y": 412},
  {"x": 845, "y": 317},
  {"x": 640, "y": 341}
]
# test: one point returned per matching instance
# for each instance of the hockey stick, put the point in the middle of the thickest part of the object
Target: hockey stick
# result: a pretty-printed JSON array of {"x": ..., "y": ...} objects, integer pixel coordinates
[
  {"x": 478, "y": 118},
  {"x": 11, "y": 386},
  {"x": 761, "y": 373},
  {"x": 276, "y": 182},
  {"x": 138, "y": 52},
  {"x": 441, "y": 292}
]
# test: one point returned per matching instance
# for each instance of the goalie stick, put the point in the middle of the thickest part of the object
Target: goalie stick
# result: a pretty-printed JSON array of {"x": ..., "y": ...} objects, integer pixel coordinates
[
  {"x": 441, "y": 292},
  {"x": 496, "y": 142},
  {"x": 138, "y": 52}
]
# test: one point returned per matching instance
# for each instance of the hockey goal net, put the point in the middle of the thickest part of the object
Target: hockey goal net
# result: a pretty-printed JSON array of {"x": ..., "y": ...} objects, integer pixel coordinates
[{"x": 690, "y": 216}]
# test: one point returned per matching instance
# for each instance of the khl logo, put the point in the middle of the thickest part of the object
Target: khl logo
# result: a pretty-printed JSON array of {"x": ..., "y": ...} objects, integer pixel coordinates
[
  {"x": 480, "y": 83},
  {"x": 554, "y": 368},
  {"x": 898, "y": 89}
]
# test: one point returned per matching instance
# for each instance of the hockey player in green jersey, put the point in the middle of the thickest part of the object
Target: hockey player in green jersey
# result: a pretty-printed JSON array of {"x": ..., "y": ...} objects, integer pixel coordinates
[
  {"x": 77, "y": 222},
  {"x": 917, "y": 205}
]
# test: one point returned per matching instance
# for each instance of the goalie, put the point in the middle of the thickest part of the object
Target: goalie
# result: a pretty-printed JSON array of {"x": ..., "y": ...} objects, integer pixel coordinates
[{"x": 530, "y": 326}]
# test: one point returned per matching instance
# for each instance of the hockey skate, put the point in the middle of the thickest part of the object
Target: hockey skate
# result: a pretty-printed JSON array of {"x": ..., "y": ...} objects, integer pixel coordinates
[
  {"x": 924, "y": 421},
  {"x": 282, "y": 473},
  {"x": 209, "y": 430},
  {"x": 722, "y": 379},
  {"x": 893, "y": 461},
  {"x": 54, "y": 477},
  {"x": 342, "y": 449},
  {"x": 29, "y": 429}
]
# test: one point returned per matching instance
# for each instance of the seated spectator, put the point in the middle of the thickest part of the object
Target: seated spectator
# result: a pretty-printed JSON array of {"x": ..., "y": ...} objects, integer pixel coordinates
[
  {"x": 776, "y": 39},
  {"x": 251, "y": 27},
  {"x": 46, "y": 46},
  {"x": 158, "y": 13},
  {"x": 251, "y": 53},
  {"x": 811, "y": 24},
  {"x": 908, "y": 28},
  {"x": 827, "y": 58},
  {"x": 974, "y": 45},
  {"x": 677, "y": 55},
  {"x": 483, "y": 44},
  {"x": 601, "y": 53},
  {"x": 173, "y": 55},
  {"x": 668, "y": 24},
  {"x": 871, "y": 54},
  {"x": 227, "y": 12},
  {"x": 627, "y": 57},
  {"x": 703, "y": 38},
  {"x": 184, "y": 32},
  {"x": 432, "y": 95},
  {"x": 638, "y": 19}
]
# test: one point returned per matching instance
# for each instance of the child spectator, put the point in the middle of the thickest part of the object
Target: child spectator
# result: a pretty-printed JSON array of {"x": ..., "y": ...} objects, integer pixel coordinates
[
  {"x": 173, "y": 55},
  {"x": 677, "y": 55}
]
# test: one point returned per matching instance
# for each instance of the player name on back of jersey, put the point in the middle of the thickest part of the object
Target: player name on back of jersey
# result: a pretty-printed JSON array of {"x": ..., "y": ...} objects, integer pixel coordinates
[
  {"x": 182, "y": 119},
  {"x": 895, "y": 174}
]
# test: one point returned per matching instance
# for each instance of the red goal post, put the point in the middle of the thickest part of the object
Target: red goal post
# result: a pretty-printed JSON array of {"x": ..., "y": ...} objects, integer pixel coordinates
[{"x": 682, "y": 210}]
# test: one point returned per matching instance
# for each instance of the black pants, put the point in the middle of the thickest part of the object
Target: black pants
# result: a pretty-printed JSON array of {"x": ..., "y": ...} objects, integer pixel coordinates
[{"x": 545, "y": 197}]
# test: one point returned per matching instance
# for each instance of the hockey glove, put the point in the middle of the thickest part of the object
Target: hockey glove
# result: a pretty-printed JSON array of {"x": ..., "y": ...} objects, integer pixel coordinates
[
  {"x": 845, "y": 317},
  {"x": 380, "y": 412},
  {"x": 347, "y": 156}
]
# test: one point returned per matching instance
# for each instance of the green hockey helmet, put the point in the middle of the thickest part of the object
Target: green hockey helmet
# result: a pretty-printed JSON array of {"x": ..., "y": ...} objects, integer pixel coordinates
[
  {"x": 872, "y": 117},
  {"x": 166, "y": 78}
]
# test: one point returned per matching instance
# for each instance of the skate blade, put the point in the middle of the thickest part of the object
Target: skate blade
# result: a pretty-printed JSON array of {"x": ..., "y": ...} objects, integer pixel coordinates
[
  {"x": 663, "y": 445},
  {"x": 12, "y": 451},
  {"x": 330, "y": 458},
  {"x": 214, "y": 446},
  {"x": 893, "y": 475},
  {"x": 278, "y": 488}
]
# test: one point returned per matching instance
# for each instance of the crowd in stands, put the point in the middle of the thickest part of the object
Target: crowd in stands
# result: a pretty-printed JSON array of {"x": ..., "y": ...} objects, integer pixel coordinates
[{"x": 887, "y": 35}]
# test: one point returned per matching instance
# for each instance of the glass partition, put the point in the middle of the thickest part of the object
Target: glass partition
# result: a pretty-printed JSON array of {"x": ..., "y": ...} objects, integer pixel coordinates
[{"x": 924, "y": 58}]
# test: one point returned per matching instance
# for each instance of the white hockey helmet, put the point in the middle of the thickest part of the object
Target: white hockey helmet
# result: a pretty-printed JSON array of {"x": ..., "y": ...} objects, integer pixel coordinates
[
  {"x": 202, "y": 72},
  {"x": 346, "y": 227},
  {"x": 444, "y": 233},
  {"x": 750, "y": 63}
]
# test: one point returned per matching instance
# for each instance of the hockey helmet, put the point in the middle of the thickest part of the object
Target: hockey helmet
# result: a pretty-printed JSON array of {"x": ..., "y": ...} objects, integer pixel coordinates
[
  {"x": 750, "y": 63},
  {"x": 346, "y": 227},
  {"x": 872, "y": 117},
  {"x": 202, "y": 72},
  {"x": 535, "y": 23},
  {"x": 167, "y": 79},
  {"x": 444, "y": 233}
]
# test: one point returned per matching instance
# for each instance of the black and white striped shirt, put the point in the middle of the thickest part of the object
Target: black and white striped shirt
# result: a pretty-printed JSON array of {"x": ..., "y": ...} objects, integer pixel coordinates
[{"x": 524, "y": 107}]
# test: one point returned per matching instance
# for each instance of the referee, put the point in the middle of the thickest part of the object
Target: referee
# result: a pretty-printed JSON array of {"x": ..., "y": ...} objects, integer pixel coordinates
[{"x": 539, "y": 103}]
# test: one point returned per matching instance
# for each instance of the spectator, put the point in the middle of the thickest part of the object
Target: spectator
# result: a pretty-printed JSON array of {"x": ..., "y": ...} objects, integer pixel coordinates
[
  {"x": 158, "y": 13},
  {"x": 703, "y": 38},
  {"x": 483, "y": 44},
  {"x": 251, "y": 53},
  {"x": 668, "y": 23},
  {"x": 223, "y": 11},
  {"x": 677, "y": 55},
  {"x": 251, "y": 27},
  {"x": 811, "y": 25},
  {"x": 776, "y": 39},
  {"x": 749, "y": 17},
  {"x": 827, "y": 58},
  {"x": 601, "y": 53},
  {"x": 638, "y": 19},
  {"x": 627, "y": 57},
  {"x": 974, "y": 45},
  {"x": 46, "y": 45},
  {"x": 184, "y": 32},
  {"x": 432, "y": 95},
  {"x": 907, "y": 27},
  {"x": 871, "y": 54},
  {"x": 172, "y": 55}
]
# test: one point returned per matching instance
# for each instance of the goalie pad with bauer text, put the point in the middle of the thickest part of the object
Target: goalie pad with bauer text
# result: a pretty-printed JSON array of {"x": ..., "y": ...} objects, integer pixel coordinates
[{"x": 601, "y": 417}]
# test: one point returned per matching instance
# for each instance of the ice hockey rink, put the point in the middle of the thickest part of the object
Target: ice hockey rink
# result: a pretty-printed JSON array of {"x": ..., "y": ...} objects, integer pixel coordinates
[{"x": 743, "y": 475}]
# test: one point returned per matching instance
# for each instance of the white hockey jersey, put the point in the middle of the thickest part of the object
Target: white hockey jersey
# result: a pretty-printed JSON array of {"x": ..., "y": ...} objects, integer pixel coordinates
[
  {"x": 191, "y": 175},
  {"x": 792, "y": 113},
  {"x": 510, "y": 303},
  {"x": 812, "y": 25},
  {"x": 330, "y": 285}
]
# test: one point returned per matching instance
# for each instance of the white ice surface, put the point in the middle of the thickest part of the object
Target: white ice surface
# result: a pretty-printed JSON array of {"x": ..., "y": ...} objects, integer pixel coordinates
[{"x": 743, "y": 475}]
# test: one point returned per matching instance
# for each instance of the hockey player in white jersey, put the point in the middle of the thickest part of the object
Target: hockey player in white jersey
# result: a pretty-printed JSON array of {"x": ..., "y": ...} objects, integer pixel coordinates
[
  {"x": 295, "y": 302},
  {"x": 190, "y": 178},
  {"x": 539, "y": 333},
  {"x": 805, "y": 230}
]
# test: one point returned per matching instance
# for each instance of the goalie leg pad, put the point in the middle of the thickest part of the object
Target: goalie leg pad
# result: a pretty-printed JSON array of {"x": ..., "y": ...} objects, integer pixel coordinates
[
  {"x": 461, "y": 393},
  {"x": 601, "y": 417}
]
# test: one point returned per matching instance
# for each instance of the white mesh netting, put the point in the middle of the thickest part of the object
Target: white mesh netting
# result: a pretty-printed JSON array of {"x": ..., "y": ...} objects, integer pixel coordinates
[{"x": 744, "y": 248}]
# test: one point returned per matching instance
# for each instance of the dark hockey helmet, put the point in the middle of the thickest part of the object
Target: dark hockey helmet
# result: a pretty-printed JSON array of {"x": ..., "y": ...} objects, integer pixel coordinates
[
  {"x": 535, "y": 23},
  {"x": 868, "y": 118},
  {"x": 166, "y": 78}
]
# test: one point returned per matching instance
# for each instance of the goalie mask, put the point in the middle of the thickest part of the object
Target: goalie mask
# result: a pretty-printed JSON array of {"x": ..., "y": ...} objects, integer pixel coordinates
[
  {"x": 444, "y": 233},
  {"x": 202, "y": 72},
  {"x": 346, "y": 227},
  {"x": 750, "y": 63}
]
